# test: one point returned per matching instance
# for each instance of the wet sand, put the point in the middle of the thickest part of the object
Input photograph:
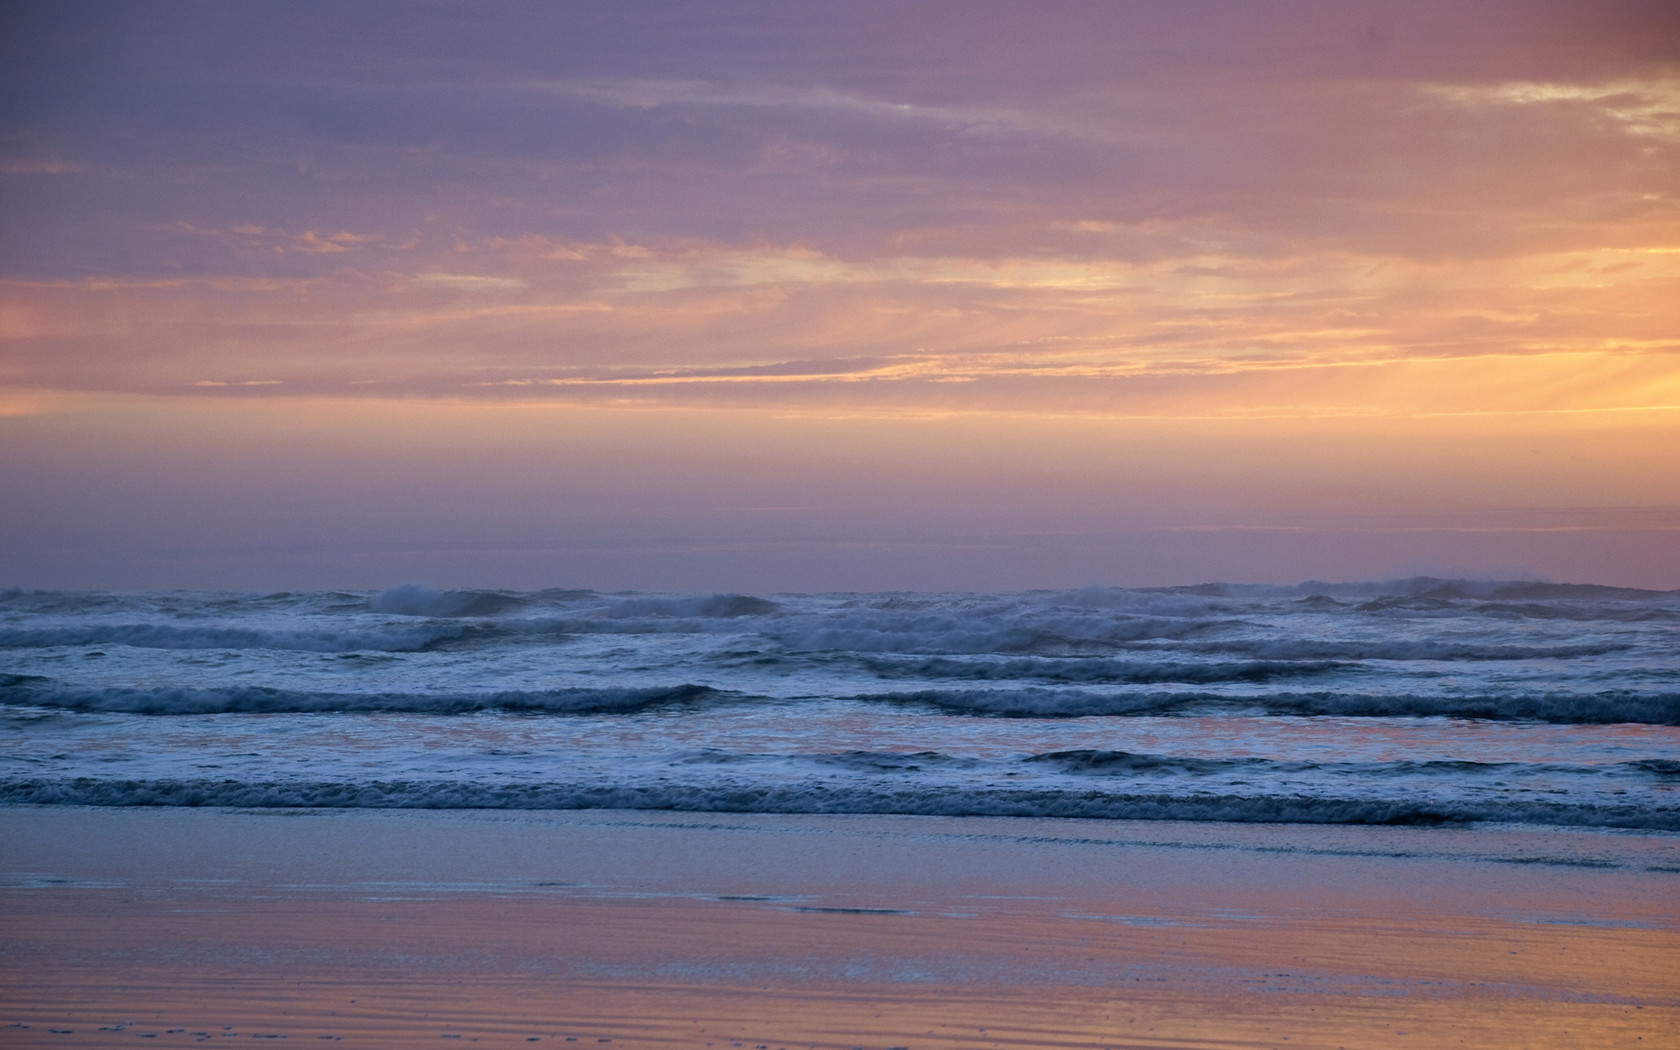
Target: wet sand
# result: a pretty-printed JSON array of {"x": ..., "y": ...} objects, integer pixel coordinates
[{"x": 388, "y": 929}]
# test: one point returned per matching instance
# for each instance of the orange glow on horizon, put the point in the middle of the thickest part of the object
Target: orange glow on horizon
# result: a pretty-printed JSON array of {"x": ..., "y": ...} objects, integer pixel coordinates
[{"x": 1122, "y": 267}]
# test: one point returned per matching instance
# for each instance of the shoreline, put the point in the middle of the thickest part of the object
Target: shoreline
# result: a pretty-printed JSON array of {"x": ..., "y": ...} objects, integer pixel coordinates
[{"x": 677, "y": 929}]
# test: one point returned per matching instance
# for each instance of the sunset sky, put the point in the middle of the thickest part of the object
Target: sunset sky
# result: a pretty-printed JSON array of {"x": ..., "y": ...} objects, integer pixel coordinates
[{"x": 837, "y": 296}]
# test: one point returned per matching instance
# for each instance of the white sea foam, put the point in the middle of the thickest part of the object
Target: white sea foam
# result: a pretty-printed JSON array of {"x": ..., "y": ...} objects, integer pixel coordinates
[{"x": 734, "y": 797}]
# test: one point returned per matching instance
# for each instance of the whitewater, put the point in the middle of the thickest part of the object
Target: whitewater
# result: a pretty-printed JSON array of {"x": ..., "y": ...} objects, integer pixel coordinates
[{"x": 1423, "y": 702}]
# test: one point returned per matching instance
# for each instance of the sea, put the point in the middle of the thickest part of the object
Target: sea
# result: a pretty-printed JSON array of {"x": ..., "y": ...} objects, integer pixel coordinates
[{"x": 1404, "y": 702}]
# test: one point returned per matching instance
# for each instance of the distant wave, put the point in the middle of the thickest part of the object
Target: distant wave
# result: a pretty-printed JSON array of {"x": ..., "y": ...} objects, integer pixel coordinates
[
  {"x": 1106, "y": 763},
  {"x": 164, "y": 700},
  {"x": 826, "y": 798},
  {"x": 1025, "y": 702},
  {"x": 1101, "y": 670},
  {"x": 418, "y": 600},
  {"x": 1409, "y": 649},
  {"x": 1032, "y": 650},
  {"x": 1434, "y": 587},
  {"x": 404, "y": 638},
  {"x": 412, "y": 600},
  {"x": 722, "y": 606},
  {"x": 1241, "y": 620},
  {"x": 854, "y": 760},
  {"x": 1569, "y": 708},
  {"x": 1014, "y": 630}
]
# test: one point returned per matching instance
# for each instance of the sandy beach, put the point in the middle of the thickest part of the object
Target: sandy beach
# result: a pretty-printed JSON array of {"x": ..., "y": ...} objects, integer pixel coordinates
[{"x": 379, "y": 928}]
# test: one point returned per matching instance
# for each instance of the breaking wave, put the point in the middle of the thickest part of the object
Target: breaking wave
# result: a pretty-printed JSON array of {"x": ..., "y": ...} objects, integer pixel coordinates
[
  {"x": 1567, "y": 708},
  {"x": 1021, "y": 703},
  {"x": 269, "y": 700},
  {"x": 406, "y": 638},
  {"x": 711, "y": 606},
  {"x": 1102, "y": 671},
  {"x": 715, "y": 797},
  {"x": 412, "y": 600}
]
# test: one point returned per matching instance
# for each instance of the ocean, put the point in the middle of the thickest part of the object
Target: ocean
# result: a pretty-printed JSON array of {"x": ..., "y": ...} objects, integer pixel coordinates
[{"x": 1416, "y": 702}]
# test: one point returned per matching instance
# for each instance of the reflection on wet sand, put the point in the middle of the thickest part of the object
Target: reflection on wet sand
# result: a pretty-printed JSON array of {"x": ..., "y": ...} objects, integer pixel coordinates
[
  {"x": 93, "y": 967},
  {"x": 379, "y": 928}
]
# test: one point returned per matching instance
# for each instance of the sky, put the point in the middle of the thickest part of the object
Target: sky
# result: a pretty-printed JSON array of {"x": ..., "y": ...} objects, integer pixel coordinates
[{"x": 837, "y": 296}]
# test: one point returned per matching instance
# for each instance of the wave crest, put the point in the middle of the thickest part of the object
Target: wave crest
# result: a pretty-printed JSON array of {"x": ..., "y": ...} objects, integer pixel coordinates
[
  {"x": 39, "y": 692},
  {"x": 413, "y": 600},
  {"x": 1610, "y": 706},
  {"x": 826, "y": 798}
]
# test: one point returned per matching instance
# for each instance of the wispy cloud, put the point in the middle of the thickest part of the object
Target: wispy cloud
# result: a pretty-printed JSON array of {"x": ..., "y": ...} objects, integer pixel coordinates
[
  {"x": 281, "y": 241},
  {"x": 1039, "y": 122},
  {"x": 472, "y": 282},
  {"x": 1643, "y": 107}
]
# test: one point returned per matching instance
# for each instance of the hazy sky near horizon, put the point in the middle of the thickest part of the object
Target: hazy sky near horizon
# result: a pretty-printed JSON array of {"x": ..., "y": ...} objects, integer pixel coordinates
[{"x": 832, "y": 296}]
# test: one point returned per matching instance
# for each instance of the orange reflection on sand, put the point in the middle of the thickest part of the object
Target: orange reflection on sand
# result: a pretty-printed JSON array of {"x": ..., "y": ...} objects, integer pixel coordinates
[{"x": 682, "y": 972}]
